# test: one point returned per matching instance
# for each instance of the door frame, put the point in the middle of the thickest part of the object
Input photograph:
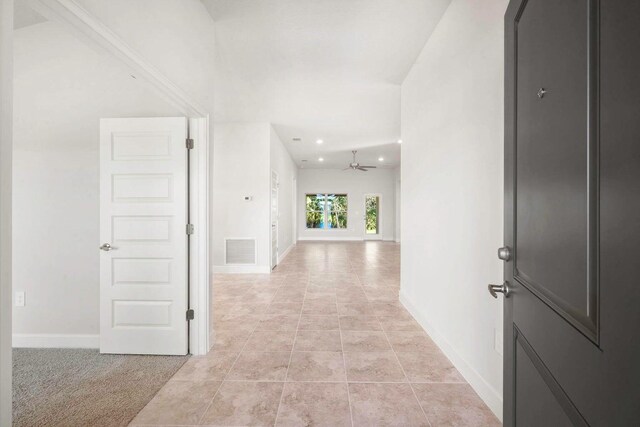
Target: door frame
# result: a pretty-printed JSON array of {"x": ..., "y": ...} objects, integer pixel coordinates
[
  {"x": 508, "y": 410},
  {"x": 6, "y": 151},
  {"x": 294, "y": 210},
  {"x": 91, "y": 30},
  {"x": 377, "y": 236},
  {"x": 277, "y": 219},
  {"x": 199, "y": 292}
]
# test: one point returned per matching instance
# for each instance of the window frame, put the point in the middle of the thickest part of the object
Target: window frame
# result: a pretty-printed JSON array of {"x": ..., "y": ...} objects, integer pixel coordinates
[{"x": 325, "y": 213}]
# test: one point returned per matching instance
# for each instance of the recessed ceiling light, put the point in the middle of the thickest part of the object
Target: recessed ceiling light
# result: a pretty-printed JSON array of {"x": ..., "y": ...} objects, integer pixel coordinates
[
  {"x": 399, "y": 141},
  {"x": 319, "y": 141},
  {"x": 320, "y": 159},
  {"x": 380, "y": 159}
]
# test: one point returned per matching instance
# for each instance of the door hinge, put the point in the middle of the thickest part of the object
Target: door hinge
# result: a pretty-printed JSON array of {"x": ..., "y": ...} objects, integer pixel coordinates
[
  {"x": 190, "y": 229},
  {"x": 190, "y": 144},
  {"x": 191, "y": 314}
]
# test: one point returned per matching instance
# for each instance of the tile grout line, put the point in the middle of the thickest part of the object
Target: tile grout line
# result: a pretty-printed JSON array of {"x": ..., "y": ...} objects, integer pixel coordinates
[
  {"x": 327, "y": 382},
  {"x": 371, "y": 293},
  {"x": 400, "y": 364},
  {"x": 295, "y": 338},
  {"x": 230, "y": 368},
  {"x": 407, "y": 377},
  {"x": 229, "y": 371},
  {"x": 344, "y": 361}
]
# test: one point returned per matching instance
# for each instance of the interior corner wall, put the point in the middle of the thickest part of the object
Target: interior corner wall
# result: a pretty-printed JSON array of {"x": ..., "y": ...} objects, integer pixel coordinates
[
  {"x": 177, "y": 37},
  {"x": 355, "y": 184},
  {"x": 287, "y": 170},
  {"x": 6, "y": 122},
  {"x": 241, "y": 153},
  {"x": 62, "y": 88},
  {"x": 452, "y": 190}
]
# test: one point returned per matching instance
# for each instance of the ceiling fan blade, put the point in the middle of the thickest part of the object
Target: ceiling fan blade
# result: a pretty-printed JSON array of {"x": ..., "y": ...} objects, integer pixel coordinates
[
  {"x": 369, "y": 167},
  {"x": 362, "y": 169},
  {"x": 348, "y": 167}
]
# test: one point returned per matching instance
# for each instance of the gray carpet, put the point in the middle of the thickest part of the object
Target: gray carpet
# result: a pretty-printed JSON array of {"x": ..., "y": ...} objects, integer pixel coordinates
[{"x": 70, "y": 387}]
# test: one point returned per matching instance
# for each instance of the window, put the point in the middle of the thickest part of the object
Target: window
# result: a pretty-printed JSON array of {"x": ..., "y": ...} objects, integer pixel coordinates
[
  {"x": 315, "y": 210},
  {"x": 326, "y": 211}
]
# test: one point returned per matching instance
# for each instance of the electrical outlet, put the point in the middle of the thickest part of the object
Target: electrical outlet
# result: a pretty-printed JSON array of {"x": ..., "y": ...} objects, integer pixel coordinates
[
  {"x": 498, "y": 341},
  {"x": 20, "y": 299}
]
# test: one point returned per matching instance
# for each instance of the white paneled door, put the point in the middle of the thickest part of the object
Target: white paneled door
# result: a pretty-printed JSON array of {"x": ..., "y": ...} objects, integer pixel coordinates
[{"x": 143, "y": 240}]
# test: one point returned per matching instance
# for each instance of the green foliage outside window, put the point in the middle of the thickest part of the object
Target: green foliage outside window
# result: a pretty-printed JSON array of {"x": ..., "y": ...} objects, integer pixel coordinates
[
  {"x": 371, "y": 207},
  {"x": 315, "y": 210},
  {"x": 326, "y": 210}
]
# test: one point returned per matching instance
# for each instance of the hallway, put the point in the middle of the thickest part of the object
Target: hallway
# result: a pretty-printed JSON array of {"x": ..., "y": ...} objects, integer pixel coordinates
[{"x": 321, "y": 341}]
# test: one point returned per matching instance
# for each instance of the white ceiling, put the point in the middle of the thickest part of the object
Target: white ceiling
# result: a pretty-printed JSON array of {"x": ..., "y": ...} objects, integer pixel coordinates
[{"x": 328, "y": 69}]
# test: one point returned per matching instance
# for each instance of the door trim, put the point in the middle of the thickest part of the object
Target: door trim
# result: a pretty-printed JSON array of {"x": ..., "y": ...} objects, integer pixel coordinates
[
  {"x": 294, "y": 211},
  {"x": 199, "y": 296}
]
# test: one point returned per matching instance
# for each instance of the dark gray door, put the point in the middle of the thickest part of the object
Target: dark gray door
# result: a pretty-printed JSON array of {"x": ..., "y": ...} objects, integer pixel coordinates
[{"x": 572, "y": 213}]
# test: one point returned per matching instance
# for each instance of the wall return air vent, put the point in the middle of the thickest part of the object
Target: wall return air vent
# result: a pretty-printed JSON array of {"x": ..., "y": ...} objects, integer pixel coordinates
[{"x": 240, "y": 251}]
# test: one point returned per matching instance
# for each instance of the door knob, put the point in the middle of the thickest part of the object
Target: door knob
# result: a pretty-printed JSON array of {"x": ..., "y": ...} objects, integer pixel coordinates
[
  {"x": 106, "y": 247},
  {"x": 504, "y": 253},
  {"x": 503, "y": 289}
]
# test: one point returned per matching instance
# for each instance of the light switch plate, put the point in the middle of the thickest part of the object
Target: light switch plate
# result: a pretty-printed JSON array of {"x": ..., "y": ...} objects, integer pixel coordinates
[{"x": 20, "y": 299}]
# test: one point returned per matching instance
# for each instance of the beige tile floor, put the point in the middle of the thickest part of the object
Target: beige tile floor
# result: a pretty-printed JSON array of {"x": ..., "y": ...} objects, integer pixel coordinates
[{"x": 323, "y": 341}]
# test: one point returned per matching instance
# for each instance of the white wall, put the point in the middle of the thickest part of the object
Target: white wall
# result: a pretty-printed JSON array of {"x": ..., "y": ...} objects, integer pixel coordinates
[
  {"x": 6, "y": 35},
  {"x": 241, "y": 153},
  {"x": 176, "y": 36},
  {"x": 452, "y": 132},
  {"x": 62, "y": 89},
  {"x": 283, "y": 164},
  {"x": 356, "y": 184}
]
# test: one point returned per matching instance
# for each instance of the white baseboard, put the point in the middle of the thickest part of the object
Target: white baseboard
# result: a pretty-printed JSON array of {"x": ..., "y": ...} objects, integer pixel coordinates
[
  {"x": 240, "y": 269},
  {"x": 487, "y": 393},
  {"x": 331, "y": 238},
  {"x": 283, "y": 255},
  {"x": 55, "y": 341}
]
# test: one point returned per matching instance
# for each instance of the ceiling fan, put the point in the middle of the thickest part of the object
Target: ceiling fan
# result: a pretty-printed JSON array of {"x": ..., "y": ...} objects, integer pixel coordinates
[{"x": 356, "y": 166}]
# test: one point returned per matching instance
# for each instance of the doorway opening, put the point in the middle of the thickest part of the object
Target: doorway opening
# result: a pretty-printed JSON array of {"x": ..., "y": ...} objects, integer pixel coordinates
[
  {"x": 372, "y": 216},
  {"x": 274, "y": 219},
  {"x": 125, "y": 236}
]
